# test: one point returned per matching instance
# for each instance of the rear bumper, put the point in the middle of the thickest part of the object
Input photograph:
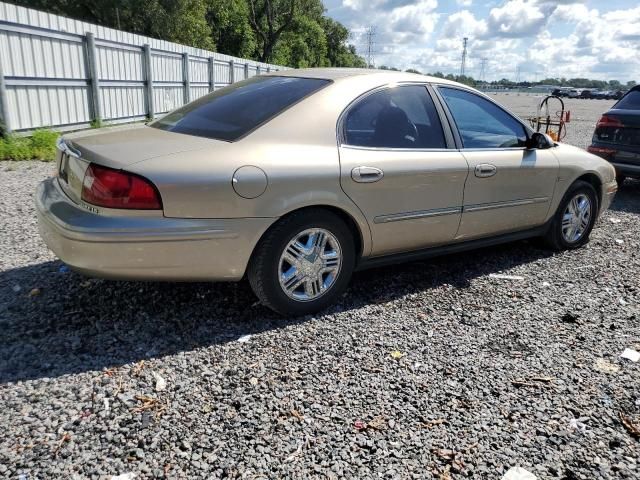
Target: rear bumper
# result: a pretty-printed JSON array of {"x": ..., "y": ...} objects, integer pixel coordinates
[
  {"x": 627, "y": 169},
  {"x": 145, "y": 247},
  {"x": 624, "y": 158}
]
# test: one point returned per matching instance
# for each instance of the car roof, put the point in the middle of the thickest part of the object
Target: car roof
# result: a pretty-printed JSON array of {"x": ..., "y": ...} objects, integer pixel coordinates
[{"x": 337, "y": 74}]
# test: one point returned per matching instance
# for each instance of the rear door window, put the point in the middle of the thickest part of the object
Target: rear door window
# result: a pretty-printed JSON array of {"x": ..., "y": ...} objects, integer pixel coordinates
[
  {"x": 234, "y": 111},
  {"x": 397, "y": 117},
  {"x": 482, "y": 123},
  {"x": 631, "y": 101}
]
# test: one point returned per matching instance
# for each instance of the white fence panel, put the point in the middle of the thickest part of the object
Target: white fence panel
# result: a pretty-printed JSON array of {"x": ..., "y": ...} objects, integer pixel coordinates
[
  {"x": 118, "y": 64},
  {"x": 122, "y": 103},
  {"x": 36, "y": 107},
  {"x": 167, "y": 98},
  {"x": 222, "y": 72},
  {"x": 197, "y": 92},
  {"x": 240, "y": 72},
  {"x": 166, "y": 67},
  {"x": 199, "y": 70},
  {"x": 64, "y": 73}
]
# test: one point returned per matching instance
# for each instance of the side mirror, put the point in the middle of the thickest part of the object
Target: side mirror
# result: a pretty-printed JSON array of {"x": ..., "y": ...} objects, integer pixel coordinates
[{"x": 539, "y": 141}]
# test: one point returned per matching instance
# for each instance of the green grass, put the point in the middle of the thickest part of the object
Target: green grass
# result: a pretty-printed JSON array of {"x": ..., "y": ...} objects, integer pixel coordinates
[{"x": 41, "y": 145}]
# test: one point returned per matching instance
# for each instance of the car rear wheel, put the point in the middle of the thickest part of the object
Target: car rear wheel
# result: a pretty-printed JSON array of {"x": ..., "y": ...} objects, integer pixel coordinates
[
  {"x": 304, "y": 263},
  {"x": 574, "y": 219}
]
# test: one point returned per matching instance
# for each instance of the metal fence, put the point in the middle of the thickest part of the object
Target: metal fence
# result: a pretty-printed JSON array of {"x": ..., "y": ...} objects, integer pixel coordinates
[{"x": 65, "y": 74}]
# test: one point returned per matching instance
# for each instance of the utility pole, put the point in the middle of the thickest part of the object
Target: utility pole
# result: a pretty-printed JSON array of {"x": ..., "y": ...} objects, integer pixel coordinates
[
  {"x": 371, "y": 33},
  {"x": 483, "y": 69},
  {"x": 518, "y": 74},
  {"x": 464, "y": 56}
]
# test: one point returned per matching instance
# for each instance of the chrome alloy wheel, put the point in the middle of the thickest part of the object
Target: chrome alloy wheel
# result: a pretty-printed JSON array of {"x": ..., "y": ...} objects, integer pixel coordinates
[
  {"x": 310, "y": 264},
  {"x": 576, "y": 218}
]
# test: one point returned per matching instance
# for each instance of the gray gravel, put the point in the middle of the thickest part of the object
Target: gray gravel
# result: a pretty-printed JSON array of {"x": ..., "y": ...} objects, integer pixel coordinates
[{"x": 489, "y": 374}]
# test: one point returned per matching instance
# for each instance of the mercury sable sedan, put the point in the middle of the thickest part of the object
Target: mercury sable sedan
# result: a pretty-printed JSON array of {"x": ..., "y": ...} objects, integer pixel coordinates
[{"x": 297, "y": 178}]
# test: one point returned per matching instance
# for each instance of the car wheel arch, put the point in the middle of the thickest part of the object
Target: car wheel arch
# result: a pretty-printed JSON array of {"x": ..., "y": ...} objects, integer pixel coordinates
[
  {"x": 361, "y": 244},
  {"x": 594, "y": 180}
]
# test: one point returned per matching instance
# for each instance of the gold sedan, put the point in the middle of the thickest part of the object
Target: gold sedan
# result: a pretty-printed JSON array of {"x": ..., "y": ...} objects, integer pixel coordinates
[{"x": 297, "y": 178}]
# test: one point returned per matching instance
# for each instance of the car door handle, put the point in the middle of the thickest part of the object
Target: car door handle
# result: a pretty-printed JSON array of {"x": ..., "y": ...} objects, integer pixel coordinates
[
  {"x": 485, "y": 170},
  {"x": 366, "y": 174}
]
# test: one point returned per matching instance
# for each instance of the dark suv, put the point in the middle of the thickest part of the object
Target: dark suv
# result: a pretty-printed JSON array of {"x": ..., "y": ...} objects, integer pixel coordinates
[{"x": 617, "y": 136}]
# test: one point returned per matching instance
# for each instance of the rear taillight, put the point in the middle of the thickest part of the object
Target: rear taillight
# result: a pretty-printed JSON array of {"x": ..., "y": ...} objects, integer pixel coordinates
[
  {"x": 607, "y": 121},
  {"x": 109, "y": 188},
  {"x": 601, "y": 151}
]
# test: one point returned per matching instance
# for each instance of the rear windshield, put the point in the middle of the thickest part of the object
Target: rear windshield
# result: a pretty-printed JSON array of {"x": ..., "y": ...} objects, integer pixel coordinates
[
  {"x": 236, "y": 110},
  {"x": 631, "y": 101}
]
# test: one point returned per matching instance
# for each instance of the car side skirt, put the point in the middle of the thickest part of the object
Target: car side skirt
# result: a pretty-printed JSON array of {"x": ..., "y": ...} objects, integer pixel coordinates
[{"x": 374, "y": 262}]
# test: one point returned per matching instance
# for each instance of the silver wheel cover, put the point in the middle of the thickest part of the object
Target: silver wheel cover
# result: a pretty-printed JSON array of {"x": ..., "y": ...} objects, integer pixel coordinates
[
  {"x": 310, "y": 264},
  {"x": 576, "y": 218}
]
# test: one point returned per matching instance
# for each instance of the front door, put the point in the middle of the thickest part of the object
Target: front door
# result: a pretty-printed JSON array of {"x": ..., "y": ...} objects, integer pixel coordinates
[
  {"x": 509, "y": 187},
  {"x": 395, "y": 165}
]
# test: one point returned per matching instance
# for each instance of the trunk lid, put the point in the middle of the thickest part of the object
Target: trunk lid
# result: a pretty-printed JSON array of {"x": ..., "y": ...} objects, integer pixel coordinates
[
  {"x": 116, "y": 147},
  {"x": 122, "y": 146}
]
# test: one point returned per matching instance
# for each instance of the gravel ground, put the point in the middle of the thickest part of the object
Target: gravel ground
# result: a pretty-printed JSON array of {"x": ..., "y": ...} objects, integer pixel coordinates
[{"x": 426, "y": 370}]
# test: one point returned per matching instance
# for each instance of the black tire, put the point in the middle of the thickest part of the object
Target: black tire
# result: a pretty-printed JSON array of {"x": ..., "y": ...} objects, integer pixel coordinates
[
  {"x": 620, "y": 178},
  {"x": 554, "y": 237},
  {"x": 263, "y": 271}
]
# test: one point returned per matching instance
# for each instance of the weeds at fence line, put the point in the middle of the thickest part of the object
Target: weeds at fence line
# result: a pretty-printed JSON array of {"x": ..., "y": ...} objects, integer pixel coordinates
[{"x": 41, "y": 145}]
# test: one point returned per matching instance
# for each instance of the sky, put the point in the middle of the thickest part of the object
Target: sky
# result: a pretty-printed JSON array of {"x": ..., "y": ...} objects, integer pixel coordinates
[{"x": 537, "y": 38}]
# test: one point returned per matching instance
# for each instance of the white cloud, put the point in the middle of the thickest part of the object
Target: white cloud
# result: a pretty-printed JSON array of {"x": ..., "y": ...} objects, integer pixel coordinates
[
  {"x": 464, "y": 24},
  {"x": 518, "y": 18},
  {"x": 569, "y": 38}
]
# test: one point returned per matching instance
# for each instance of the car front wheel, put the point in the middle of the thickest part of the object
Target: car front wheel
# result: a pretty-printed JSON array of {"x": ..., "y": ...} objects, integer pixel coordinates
[
  {"x": 574, "y": 219},
  {"x": 304, "y": 263}
]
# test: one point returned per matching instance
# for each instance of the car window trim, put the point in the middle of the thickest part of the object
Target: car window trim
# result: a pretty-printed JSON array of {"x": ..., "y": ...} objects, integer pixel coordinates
[
  {"x": 527, "y": 130},
  {"x": 444, "y": 120},
  {"x": 341, "y": 124}
]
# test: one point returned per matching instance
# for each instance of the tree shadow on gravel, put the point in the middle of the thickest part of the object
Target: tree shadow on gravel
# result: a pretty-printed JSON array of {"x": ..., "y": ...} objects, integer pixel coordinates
[
  {"x": 628, "y": 197},
  {"x": 75, "y": 324}
]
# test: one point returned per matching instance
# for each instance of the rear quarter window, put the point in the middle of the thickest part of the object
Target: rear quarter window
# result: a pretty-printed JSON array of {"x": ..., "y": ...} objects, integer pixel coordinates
[
  {"x": 631, "y": 101},
  {"x": 232, "y": 112}
]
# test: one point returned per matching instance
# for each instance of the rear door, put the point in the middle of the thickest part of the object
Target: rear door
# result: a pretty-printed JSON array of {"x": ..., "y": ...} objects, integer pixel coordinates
[
  {"x": 399, "y": 168},
  {"x": 509, "y": 188}
]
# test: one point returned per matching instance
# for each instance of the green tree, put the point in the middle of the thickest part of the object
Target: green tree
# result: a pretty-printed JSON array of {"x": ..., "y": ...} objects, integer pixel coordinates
[
  {"x": 304, "y": 46},
  {"x": 290, "y": 32},
  {"x": 230, "y": 27},
  {"x": 181, "y": 21},
  {"x": 339, "y": 52},
  {"x": 270, "y": 19}
]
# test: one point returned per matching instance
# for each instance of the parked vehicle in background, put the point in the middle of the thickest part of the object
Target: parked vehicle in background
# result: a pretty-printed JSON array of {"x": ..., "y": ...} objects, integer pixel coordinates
[
  {"x": 297, "y": 178},
  {"x": 617, "y": 95},
  {"x": 602, "y": 95},
  {"x": 562, "y": 92},
  {"x": 588, "y": 94},
  {"x": 574, "y": 93},
  {"x": 617, "y": 136}
]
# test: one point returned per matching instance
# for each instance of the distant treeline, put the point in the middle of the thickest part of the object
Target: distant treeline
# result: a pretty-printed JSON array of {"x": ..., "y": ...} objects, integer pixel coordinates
[
  {"x": 295, "y": 33},
  {"x": 556, "y": 82}
]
